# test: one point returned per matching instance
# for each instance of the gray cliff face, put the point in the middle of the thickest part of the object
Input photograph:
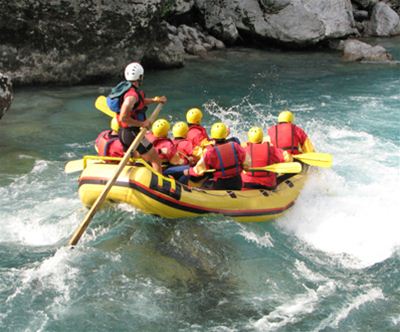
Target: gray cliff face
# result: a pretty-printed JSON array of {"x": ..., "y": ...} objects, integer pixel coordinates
[
  {"x": 76, "y": 41},
  {"x": 296, "y": 22},
  {"x": 71, "y": 41},
  {"x": 5, "y": 94}
]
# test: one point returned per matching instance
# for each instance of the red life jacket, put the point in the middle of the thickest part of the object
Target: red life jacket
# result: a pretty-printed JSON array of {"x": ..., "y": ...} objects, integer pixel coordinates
[
  {"x": 196, "y": 134},
  {"x": 109, "y": 145},
  {"x": 283, "y": 136},
  {"x": 260, "y": 156},
  {"x": 166, "y": 144},
  {"x": 185, "y": 147},
  {"x": 227, "y": 163},
  {"x": 138, "y": 111}
]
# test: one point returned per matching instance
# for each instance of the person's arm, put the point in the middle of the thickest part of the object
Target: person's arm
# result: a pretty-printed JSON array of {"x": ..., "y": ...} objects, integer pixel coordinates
[
  {"x": 307, "y": 146},
  {"x": 173, "y": 156},
  {"x": 243, "y": 157},
  {"x": 155, "y": 100},
  {"x": 305, "y": 142},
  {"x": 196, "y": 170},
  {"x": 279, "y": 155},
  {"x": 125, "y": 117},
  {"x": 201, "y": 165}
]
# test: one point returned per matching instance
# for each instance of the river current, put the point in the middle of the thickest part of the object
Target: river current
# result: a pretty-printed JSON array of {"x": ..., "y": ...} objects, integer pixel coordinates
[{"x": 332, "y": 263}]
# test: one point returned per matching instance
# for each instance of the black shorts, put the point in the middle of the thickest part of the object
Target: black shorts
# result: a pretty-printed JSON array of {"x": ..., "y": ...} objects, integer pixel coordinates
[{"x": 127, "y": 135}]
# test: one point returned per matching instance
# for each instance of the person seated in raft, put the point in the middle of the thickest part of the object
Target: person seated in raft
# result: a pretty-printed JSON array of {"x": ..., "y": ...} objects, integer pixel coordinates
[
  {"x": 108, "y": 144},
  {"x": 163, "y": 145},
  {"x": 262, "y": 154},
  {"x": 183, "y": 145},
  {"x": 197, "y": 134},
  {"x": 289, "y": 137},
  {"x": 227, "y": 159}
]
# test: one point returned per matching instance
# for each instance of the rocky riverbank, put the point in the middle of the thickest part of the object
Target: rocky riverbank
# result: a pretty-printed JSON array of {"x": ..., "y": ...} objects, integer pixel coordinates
[{"x": 74, "y": 42}]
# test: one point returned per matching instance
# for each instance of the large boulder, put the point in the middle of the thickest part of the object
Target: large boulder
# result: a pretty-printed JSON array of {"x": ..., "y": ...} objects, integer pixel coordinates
[
  {"x": 298, "y": 22},
  {"x": 6, "y": 94},
  {"x": 384, "y": 21},
  {"x": 355, "y": 50}
]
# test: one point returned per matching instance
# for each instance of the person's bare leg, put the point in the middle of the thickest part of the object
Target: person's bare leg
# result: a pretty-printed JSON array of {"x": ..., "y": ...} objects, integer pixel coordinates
[{"x": 153, "y": 159}]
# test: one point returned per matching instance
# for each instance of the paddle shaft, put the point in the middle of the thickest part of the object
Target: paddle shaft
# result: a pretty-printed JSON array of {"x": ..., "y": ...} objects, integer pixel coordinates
[
  {"x": 85, "y": 223},
  {"x": 290, "y": 167}
]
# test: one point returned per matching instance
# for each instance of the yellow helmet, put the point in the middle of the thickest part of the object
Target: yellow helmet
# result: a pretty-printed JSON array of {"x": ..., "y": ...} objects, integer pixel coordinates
[
  {"x": 114, "y": 124},
  {"x": 160, "y": 128},
  {"x": 255, "y": 135},
  {"x": 180, "y": 129},
  {"x": 219, "y": 130},
  {"x": 194, "y": 116},
  {"x": 286, "y": 116}
]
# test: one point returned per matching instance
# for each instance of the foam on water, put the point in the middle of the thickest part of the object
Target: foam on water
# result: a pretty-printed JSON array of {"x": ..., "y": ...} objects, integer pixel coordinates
[
  {"x": 354, "y": 213},
  {"x": 294, "y": 309},
  {"x": 38, "y": 212},
  {"x": 260, "y": 240},
  {"x": 335, "y": 318},
  {"x": 49, "y": 282}
]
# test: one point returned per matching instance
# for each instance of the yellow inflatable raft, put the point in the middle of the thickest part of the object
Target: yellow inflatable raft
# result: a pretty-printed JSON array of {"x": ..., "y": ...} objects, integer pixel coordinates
[{"x": 156, "y": 194}]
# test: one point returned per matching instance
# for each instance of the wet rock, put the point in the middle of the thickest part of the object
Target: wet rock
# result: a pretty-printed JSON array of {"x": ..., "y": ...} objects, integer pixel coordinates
[
  {"x": 355, "y": 50},
  {"x": 6, "y": 94},
  {"x": 196, "y": 42}
]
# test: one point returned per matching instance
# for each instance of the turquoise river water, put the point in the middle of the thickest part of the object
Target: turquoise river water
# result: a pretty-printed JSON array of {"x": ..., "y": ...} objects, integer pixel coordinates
[{"x": 332, "y": 263}]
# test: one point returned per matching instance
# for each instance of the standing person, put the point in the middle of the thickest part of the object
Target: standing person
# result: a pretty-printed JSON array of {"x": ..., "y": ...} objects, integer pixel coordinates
[
  {"x": 164, "y": 146},
  {"x": 261, "y": 154},
  {"x": 108, "y": 143},
  {"x": 132, "y": 115},
  {"x": 289, "y": 137},
  {"x": 228, "y": 159},
  {"x": 197, "y": 134}
]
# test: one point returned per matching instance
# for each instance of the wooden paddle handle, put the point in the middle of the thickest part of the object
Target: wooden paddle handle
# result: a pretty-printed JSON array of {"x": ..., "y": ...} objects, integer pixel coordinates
[{"x": 85, "y": 222}]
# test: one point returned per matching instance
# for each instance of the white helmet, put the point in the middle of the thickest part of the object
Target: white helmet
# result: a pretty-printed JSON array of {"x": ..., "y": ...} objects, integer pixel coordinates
[{"x": 134, "y": 72}]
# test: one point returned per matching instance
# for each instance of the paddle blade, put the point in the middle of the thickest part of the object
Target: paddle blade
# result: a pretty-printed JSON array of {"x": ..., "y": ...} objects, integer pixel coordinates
[
  {"x": 318, "y": 159},
  {"x": 74, "y": 166},
  {"x": 280, "y": 168},
  {"x": 101, "y": 105}
]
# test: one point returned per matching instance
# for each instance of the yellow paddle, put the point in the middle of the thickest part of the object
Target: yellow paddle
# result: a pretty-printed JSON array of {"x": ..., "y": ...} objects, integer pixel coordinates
[
  {"x": 280, "y": 168},
  {"x": 74, "y": 166},
  {"x": 80, "y": 164},
  {"x": 275, "y": 168},
  {"x": 85, "y": 223},
  {"x": 101, "y": 105},
  {"x": 315, "y": 159}
]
